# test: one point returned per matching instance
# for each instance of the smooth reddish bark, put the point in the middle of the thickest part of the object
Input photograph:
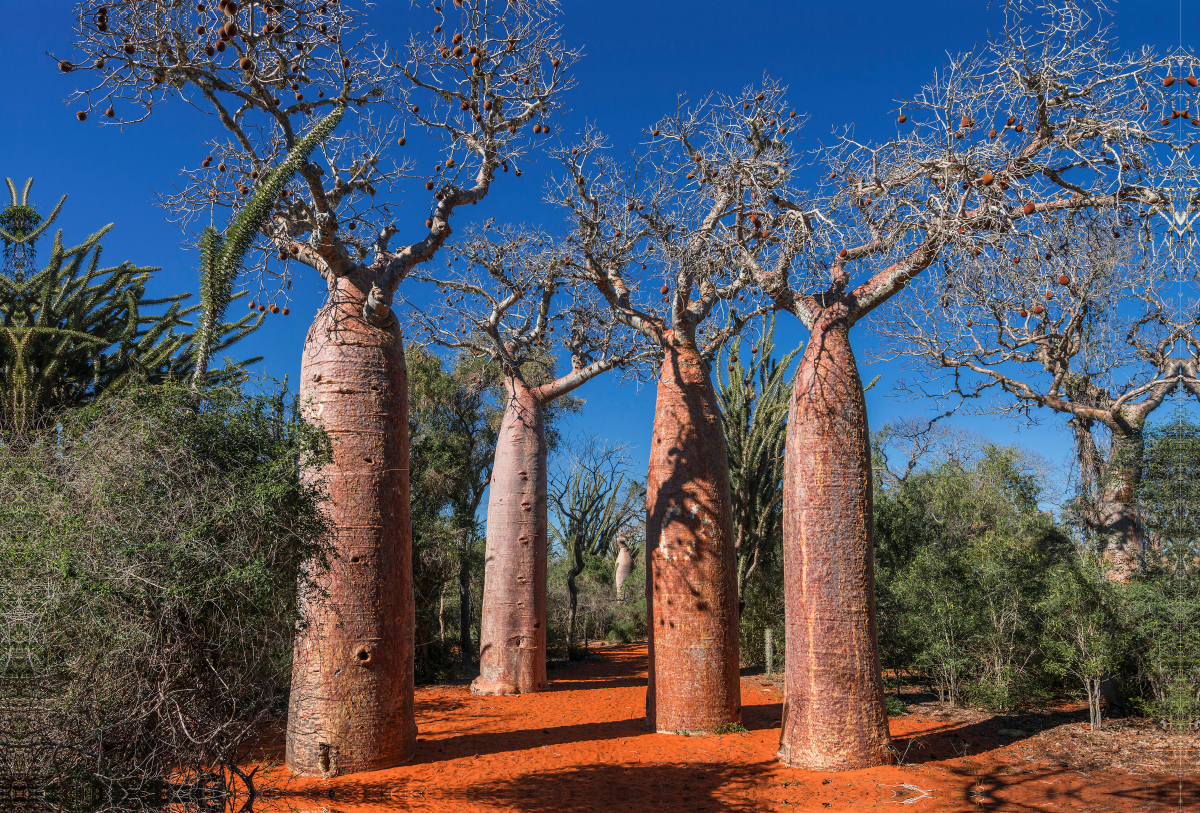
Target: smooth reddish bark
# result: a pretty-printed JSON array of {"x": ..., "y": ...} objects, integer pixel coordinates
[
  {"x": 351, "y": 703},
  {"x": 834, "y": 718},
  {"x": 512, "y": 635},
  {"x": 691, "y": 578}
]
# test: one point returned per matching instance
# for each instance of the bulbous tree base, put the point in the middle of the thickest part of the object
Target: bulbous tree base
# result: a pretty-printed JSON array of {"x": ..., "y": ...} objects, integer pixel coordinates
[
  {"x": 351, "y": 704},
  {"x": 834, "y": 717},
  {"x": 691, "y": 579}
]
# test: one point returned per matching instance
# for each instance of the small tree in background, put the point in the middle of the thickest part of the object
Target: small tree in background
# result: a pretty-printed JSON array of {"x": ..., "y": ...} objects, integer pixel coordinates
[{"x": 594, "y": 505}]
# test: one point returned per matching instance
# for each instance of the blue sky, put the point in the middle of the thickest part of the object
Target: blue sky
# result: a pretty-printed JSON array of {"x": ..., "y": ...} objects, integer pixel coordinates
[{"x": 845, "y": 63}]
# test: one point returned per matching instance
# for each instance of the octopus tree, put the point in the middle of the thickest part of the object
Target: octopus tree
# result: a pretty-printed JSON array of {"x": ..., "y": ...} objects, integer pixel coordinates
[
  {"x": 682, "y": 208},
  {"x": 1044, "y": 123},
  {"x": 485, "y": 71},
  {"x": 513, "y": 303}
]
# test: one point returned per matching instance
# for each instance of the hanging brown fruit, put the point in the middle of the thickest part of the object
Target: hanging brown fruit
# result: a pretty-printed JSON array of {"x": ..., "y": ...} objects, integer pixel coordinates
[
  {"x": 65, "y": 66},
  {"x": 1166, "y": 122},
  {"x": 245, "y": 64},
  {"x": 843, "y": 254},
  {"x": 401, "y": 141},
  {"x": 1049, "y": 295},
  {"x": 555, "y": 62},
  {"x": 1011, "y": 121},
  {"x": 345, "y": 62},
  {"x": 429, "y": 185},
  {"x": 110, "y": 113},
  {"x": 902, "y": 118},
  {"x": 1028, "y": 208},
  {"x": 262, "y": 308},
  {"x": 1016, "y": 260},
  {"x": 1064, "y": 280},
  {"x": 206, "y": 162},
  {"x": 1037, "y": 310},
  {"x": 1168, "y": 80},
  {"x": 275, "y": 309},
  {"x": 987, "y": 179},
  {"x": 978, "y": 251},
  {"x": 992, "y": 133},
  {"x": 1020, "y": 128},
  {"x": 970, "y": 323},
  {"x": 1047, "y": 255},
  {"x": 286, "y": 311},
  {"x": 81, "y": 115},
  {"x": 1192, "y": 81},
  {"x": 429, "y": 223}
]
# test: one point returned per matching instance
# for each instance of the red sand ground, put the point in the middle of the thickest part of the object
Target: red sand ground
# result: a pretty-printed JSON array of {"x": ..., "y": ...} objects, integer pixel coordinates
[{"x": 583, "y": 746}]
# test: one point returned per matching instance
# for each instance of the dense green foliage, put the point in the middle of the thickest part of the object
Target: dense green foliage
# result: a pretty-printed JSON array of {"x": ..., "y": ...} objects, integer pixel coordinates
[{"x": 152, "y": 551}]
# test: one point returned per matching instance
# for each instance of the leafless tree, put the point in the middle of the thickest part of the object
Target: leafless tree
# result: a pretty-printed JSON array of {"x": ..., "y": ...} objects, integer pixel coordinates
[
  {"x": 508, "y": 296},
  {"x": 473, "y": 77}
]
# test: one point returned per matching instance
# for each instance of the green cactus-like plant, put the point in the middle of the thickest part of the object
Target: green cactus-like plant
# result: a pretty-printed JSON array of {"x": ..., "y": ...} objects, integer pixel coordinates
[
  {"x": 221, "y": 256},
  {"x": 73, "y": 331}
]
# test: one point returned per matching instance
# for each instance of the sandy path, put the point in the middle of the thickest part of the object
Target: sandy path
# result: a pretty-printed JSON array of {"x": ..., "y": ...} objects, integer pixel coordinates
[{"x": 582, "y": 746}]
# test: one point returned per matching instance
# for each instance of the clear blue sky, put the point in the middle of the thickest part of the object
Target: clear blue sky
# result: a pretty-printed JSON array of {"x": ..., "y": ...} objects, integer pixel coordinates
[{"x": 844, "y": 62}]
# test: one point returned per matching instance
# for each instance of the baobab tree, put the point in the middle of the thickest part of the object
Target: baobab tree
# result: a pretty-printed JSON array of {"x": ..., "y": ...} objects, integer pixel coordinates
[
  {"x": 511, "y": 300},
  {"x": 684, "y": 208},
  {"x": 1043, "y": 123},
  {"x": 1082, "y": 325},
  {"x": 475, "y": 77}
]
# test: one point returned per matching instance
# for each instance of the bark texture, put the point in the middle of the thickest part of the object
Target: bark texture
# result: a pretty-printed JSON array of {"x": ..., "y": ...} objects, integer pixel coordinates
[
  {"x": 691, "y": 579},
  {"x": 512, "y": 637},
  {"x": 351, "y": 705},
  {"x": 834, "y": 717}
]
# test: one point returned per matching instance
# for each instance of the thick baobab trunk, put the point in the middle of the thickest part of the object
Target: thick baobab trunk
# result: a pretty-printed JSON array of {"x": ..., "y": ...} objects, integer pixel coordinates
[
  {"x": 624, "y": 567},
  {"x": 834, "y": 718},
  {"x": 1120, "y": 529},
  {"x": 691, "y": 580},
  {"x": 512, "y": 637},
  {"x": 351, "y": 706}
]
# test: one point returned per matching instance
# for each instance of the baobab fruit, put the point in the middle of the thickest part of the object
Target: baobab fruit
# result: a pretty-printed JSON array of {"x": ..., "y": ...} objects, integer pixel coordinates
[
  {"x": 81, "y": 115},
  {"x": 295, "y": 249},
  {"x": 221, "y": 167},
  {"x": 1144, "y": 106},
  {"x": 970, "y": 323},
  {"x": 1049, "y": 295},
  {"x": 992, "y": 133},
  {"x": 345, "y": 62},
  {"x": 537, "y": 128},
  {"x": 401, "y": 141},
  {"x": 262, "y": 308},
  {"x": 65, "y": 66},
  {"x": 206, "y": 162},
  {"x": 1022, "y": 313},
  {"x": 429, "y": 185},
  {"x": 902, "y": 118},
  {"x": 209, "y": 50},
  {"x": 545, "y": 129},
  {"x": 110, "y": 112},
  {"x": 253, "y": 307},
  {"x": 275, "y": 309},
  {"x": 987, "y": 179},
  {"x": 1168, "y": 80},
  {"x": 286, "y": 311},
  {"x": 245, "y": 64},
  {"x": 1166, "y": 122},
  {"x": 1011, "y": 121},
  {"x": 663, "y": 290},
  {"x": 1048, "y": 255},
  {"x": 958, "y": 134},
  {"x": 1037, "y": 310},
  {"x": 1004, "y": 185},
  {"x": 429, "y": 224},
  {"x": 1191, "y": 80},
  {"x": 978, "y": 251},
  {"x": 475, "y": 61},
  {"x": 1028, "y": 208},
  {"x": 220, "y": 46},
  {"x": 1064, "y": 280},
  {"x": 843, "y": 254},
  {"x": 654, "y": 132},
  {"x": 1016, "y": 259},
  {"x": 1020, "y": 128},
  {"x": 555, "y": 62}
]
